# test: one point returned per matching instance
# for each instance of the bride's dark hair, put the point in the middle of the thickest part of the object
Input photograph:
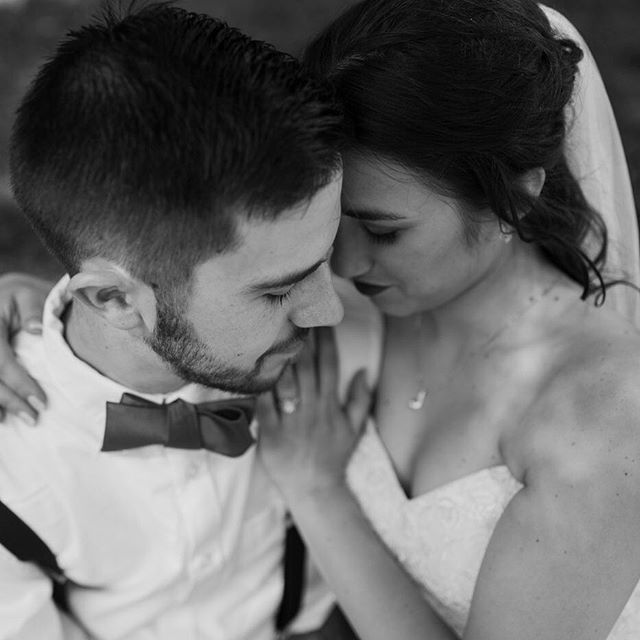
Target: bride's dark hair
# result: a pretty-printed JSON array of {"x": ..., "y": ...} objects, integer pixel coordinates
[{"x": 469, "y": 95}]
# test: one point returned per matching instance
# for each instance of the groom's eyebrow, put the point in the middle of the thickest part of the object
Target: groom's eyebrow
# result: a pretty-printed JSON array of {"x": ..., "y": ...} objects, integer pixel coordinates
[
  {"x": 372, "y": 214},
  {"x": 286, "y": 280}
]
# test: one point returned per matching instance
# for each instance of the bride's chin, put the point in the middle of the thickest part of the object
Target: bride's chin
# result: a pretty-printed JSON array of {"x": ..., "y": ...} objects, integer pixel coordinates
[
  {"x": 397, "y": 308},
  {"x": 403, "y": 307}
]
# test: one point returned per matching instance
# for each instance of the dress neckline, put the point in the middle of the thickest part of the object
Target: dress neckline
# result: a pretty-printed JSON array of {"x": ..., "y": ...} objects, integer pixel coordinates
[{"x": 495, "y": 472}]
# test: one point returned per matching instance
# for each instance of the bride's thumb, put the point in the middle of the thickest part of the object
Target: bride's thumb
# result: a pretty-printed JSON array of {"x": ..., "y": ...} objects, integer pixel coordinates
[{"x": 358, "y": 404}]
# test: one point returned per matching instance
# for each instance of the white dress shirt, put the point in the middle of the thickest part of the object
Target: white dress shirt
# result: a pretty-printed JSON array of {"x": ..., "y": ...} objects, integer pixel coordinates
[{"x": 164, "y": 544}]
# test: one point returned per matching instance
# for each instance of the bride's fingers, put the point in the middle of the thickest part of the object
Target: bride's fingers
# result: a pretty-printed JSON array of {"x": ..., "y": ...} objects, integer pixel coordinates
[
  {"x": 287, "y": 386},
  {"x": 11, "y": 402},
  {"x": 30, "y": 305},
  {"x": 358, "y": 404},
  {"x": 20, "y": 394},
  {"x": 306, "y": 373},
  {"x": 266, "y": 412},
  {"x": 23, "y": 296},
  {"x": 327, "y": 362},
  {"x": 18, "y": 390}
]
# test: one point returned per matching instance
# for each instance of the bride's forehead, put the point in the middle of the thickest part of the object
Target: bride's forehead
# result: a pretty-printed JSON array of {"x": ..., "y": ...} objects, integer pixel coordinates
[
  {"x": 380, "y": 192},
  {"x": 364, "y": 175}
]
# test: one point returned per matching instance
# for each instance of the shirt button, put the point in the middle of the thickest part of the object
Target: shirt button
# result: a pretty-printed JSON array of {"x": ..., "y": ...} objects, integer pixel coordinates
[
  {"x": 202, "y": 562},
  {"x": 192, "y": 471}
]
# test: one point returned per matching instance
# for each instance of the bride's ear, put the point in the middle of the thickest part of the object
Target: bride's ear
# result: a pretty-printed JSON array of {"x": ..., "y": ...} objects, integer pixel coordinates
[
  {"x": 533, "y": 180},
  {"x": 115, "y": 295}
]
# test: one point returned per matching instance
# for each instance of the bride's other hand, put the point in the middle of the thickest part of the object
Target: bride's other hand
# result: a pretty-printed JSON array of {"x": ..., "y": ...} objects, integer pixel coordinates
[
  {"x": 21, "y": 301},
  {"x": 306, "y": 434},
  {"x": 306, "y": 452}
]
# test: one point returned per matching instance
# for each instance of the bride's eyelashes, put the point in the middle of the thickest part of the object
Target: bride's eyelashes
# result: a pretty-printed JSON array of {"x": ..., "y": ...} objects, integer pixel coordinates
[{"x": 379, "y": 236}]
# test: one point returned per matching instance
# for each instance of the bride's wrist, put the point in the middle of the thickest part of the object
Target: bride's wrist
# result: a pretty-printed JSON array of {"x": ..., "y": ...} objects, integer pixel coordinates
[{"x": 317, "y": 496}]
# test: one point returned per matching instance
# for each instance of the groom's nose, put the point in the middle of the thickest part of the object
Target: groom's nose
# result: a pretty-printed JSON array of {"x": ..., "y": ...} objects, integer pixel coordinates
[{"x": 319, "y": 304}]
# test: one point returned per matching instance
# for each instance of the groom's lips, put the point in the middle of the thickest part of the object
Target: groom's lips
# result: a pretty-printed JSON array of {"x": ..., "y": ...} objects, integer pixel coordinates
[
  {"x": 369, "y": 289},
  {"x": 292, "y": 345}
]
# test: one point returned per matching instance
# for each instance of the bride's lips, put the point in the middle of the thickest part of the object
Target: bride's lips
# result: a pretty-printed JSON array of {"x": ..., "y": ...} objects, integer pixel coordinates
[{"x": 369, "y": 289}]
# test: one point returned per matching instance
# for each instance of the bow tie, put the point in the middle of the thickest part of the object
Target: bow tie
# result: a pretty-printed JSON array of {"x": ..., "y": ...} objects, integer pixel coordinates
[{"x": 221, "y": 426}]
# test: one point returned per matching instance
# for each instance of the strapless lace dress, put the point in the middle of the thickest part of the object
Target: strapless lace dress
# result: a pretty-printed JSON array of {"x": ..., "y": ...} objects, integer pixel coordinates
[{"x": 440, "y": 537}]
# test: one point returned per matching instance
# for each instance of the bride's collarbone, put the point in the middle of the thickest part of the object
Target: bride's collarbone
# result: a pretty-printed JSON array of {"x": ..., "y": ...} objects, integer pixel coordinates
[
  {"x": 486, "y": 387},
  {"x": 487, "y": 411},
  {"x": 469, "y": 410},
  {"x": 455, "y": 434}
]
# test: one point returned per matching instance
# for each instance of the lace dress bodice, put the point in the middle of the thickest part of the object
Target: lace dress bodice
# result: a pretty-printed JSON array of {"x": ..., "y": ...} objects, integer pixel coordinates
[{"x": 441, "y": 537}]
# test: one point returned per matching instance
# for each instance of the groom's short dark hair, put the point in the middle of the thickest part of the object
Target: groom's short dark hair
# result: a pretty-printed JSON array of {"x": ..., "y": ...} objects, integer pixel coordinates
[{"x": 146, "y": 136}]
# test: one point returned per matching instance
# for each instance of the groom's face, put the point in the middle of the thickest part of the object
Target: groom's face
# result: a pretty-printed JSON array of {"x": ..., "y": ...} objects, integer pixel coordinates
[{"x": 250, "y": 309}]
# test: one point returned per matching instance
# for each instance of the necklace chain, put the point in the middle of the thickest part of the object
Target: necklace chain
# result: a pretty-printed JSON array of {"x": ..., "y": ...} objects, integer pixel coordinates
[{"x": 418, "y": 399}]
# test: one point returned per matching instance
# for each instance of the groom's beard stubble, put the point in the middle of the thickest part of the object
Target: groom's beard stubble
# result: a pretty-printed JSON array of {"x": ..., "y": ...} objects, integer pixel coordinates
[{"x": 175, "y": 341}]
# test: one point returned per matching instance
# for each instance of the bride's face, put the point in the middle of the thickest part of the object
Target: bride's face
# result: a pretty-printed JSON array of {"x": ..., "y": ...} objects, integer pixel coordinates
[{"x": 405, "y": 245}]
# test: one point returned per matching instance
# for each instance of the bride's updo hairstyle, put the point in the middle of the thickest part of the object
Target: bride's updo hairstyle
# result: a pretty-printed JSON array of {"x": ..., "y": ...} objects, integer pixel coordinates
[{"x": 469, "y": 95}]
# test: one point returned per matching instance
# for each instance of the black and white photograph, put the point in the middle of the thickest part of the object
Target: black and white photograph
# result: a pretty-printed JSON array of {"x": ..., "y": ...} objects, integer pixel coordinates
[{"x": 319, "y": 320}]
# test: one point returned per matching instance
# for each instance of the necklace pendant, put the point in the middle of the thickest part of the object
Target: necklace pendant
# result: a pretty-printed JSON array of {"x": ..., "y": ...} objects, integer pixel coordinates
[{"x": 417, "y": 402}]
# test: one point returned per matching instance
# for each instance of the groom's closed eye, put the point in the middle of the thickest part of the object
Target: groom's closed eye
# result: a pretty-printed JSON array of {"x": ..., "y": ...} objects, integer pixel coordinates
[
  {"x": 279, "y": 298},
  {"x": 271, "y": 287}
]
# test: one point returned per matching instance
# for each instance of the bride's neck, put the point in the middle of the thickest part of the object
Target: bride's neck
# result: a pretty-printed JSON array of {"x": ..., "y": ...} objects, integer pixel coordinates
[{"x": 510, "y": 291}]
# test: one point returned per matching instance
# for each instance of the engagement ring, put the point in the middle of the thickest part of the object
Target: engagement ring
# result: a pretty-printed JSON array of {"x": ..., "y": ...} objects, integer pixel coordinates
[{"x": 288, "y": 405}]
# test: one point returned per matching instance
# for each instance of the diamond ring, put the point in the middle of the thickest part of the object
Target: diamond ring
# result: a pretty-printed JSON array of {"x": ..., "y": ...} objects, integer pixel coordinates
[{"x": 289, "y": 405}]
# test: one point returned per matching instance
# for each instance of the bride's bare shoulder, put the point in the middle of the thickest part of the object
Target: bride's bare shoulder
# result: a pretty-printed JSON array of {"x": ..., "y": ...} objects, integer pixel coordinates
[
  {"x": 602, "y": 348},
  {"x": 587, "y": 413}
]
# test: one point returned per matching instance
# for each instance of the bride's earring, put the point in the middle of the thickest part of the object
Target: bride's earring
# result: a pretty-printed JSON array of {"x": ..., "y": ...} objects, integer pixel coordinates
[{"x": 506, "y": 234}]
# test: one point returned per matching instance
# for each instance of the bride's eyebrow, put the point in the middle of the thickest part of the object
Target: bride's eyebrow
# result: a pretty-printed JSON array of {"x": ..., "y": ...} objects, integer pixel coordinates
[{"x": 372, "y": 214}]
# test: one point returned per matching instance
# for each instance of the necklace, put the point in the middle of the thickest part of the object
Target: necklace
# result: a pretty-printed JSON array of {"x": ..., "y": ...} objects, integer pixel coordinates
[{"x": 418, "y": 399}]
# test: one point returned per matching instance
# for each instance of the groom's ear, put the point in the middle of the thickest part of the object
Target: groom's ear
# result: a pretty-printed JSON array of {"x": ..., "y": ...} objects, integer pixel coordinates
[{"x": 115, "y": 295}]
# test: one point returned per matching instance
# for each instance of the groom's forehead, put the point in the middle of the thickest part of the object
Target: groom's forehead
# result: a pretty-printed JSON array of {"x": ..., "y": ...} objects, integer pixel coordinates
[
  {"x": 281, "y": 254},
  {"x": 277, "y": 253}
]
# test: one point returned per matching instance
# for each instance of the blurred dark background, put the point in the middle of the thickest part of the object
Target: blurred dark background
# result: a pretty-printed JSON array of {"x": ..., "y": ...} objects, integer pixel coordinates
[{"x": 29, "y": 30}]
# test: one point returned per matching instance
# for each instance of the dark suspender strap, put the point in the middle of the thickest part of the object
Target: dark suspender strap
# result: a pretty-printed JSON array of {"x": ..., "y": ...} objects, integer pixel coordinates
[
  {"x": 26, "y": 545},
  {"x": 294, "y": 569}
]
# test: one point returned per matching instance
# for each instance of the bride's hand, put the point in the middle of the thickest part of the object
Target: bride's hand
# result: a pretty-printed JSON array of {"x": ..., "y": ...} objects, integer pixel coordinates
[
  {"x": 306, "y": 434},
  {"x": 21, "y": 301}
]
